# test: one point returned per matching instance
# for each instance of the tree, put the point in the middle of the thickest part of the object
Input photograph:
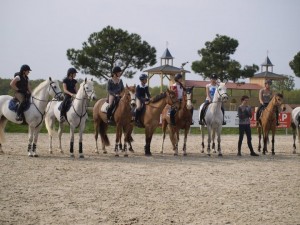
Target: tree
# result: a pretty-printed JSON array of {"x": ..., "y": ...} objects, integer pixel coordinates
[
  {"x": 284, "y": 85},
  {"x": 112, "y": 47},
  {"x": 295, "y": 64},
  {"x": 215, "y": 58}
]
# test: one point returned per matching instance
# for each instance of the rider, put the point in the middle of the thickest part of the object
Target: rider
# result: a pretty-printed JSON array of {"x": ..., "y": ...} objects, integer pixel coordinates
[
  {"x": 70, "y": 90},
  {"x": 178, "y": 88},
  {"x": 244, "y": 114},
  {"x": 210, "y": 91},
  {"x": 114, "y": 88},
  {"x": 20, "y": 84},
  {"x": 142, "y": 96},
  {"x": 265, "y": 96}
]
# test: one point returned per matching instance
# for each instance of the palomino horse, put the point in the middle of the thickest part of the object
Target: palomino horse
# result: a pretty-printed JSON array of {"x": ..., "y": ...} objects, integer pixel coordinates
[
  {"x": 34, "y": 116},
  {"x": 183, "y": 121},
  {"x": 296, "y": 126},
  {"x": 151, "y": 117},
  {"x": 122, "y": 117},
  {"x": 76, "y": 116},
  {"x": 214, "y": 118},
  {"x": 267, "y": 122}
]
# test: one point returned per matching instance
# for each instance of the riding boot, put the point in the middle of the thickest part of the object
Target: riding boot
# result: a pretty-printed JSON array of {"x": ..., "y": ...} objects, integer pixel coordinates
[
  {"x": 239, "y": 149},
  {"x": 224, "y": 122},
  {"x": 172, "y": 117},
  {"x": 137, "y": 118},
  {"x": 62, "y": 115},
  {"x": 19, "y": 112},
  {"x": 201, "y": 118},
  {"x": 252, "y": 153},
  {"x": 109, "y": 114}
]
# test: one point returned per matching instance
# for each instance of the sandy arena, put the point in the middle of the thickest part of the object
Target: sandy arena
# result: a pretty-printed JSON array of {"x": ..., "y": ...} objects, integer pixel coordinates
[{"x": 162, "y": 189}]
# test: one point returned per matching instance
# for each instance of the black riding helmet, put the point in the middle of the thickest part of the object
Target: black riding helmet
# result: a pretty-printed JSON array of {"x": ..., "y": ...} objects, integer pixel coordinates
[
  {"x": 214, "y": 76},
  {"x": 178, "y": 76},
  {"x": 71, "y": 71},
  {"x": 24, "y": 68},
  {"x": 116, "y": 69},
  {"x": 143, "y": 77},
  {"x": 268, "y": 82}
]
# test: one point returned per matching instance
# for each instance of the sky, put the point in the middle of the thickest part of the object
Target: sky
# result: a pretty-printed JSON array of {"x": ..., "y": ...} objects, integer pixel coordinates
[{"x": 39, "y": 32}]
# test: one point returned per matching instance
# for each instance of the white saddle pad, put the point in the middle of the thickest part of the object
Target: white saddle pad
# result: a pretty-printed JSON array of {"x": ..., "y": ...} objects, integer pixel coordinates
[{"x": 104, "y": 107}]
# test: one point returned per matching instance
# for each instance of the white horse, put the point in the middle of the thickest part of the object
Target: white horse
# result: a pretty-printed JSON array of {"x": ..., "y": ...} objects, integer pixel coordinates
[
  {"x": 296, "y": 126},
  {"x": 214, "y": 118},
  {"x": 76, "y": 116},
  {"x": 33, "y": 116}
]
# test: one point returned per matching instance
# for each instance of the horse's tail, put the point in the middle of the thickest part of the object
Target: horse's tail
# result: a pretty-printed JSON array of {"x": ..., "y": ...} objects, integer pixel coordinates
[
  {"x": 103, "y": 134},
  {"x": 3, "y": 122}
]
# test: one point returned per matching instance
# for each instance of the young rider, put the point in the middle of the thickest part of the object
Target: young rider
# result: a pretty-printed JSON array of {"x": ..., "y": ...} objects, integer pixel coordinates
[{"x": 20, "y": 84}]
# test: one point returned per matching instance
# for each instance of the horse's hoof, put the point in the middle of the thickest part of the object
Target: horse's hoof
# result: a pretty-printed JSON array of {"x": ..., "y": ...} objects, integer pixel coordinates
[
  {"x": 116, "y": 155},
  {"x": 294, "y": 152},
  {"x": 131, "y": 150},
  {"x": 104, "y": 152},
  {"x": 220, "y": 155},
  {"x": 50, "y": 152},
  {"x": 273, "y": 153},
  {"x": 184, "y": 154},
  {"x": 208, "y": 155},
  {"x": 202, "y": 151},
  {"x": 72, "y": 155},
  {"x": 161, "y": 152},
  {"x": 126, "y": 156},
  {"x": 81, "y": 156},
  {"x": 258, "y": 150},
  {"x": 175, "y": 154},
  {"x": 35, "y": 155},
  {"x": 264, "y": 153},
  {"x": 30, "y": 154},
  {"x": 148, "y": 154}
]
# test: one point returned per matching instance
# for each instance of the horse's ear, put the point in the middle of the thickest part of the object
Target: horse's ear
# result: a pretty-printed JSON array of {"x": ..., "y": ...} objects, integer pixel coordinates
[
  {"x": 85, "y": 80},
  {"x": 50, "y": 78},
  {"x": 92, "y": 79},
  {"x": 126, "y": 86}
]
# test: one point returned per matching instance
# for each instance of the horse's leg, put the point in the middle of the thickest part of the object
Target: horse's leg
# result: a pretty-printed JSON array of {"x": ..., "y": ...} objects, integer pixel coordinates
[
  {"x": 273, "y": 140},
  {"x": 208, "y": 139},
  {"x": 265, "y": 137},
  {"x": 72, "y": 129},
  {"x": 3, "y": 122},
  {"x": 96, "y": 134},
  {"x": 173, "y": 139},
  {"x": 118, "y": 131},
  {"x": 213, "y": 140},
  {"x": 36, "y": 132},
  {"x": 186, "y": 130},
  {"x": 259, "y": 138},
  {"x": 81, "y": 129},
  {"x": 60, "y": 131},
  {"x": 202, "y": 135},
  {"x": 164, "y": 127},
  {"x": 219, "y": 141},
  {"x": 30, "y": 139},
  {"x": 294, "y": 137},
  {"x": 148, "y": 136},
  {"x": 50, "y": 125}
]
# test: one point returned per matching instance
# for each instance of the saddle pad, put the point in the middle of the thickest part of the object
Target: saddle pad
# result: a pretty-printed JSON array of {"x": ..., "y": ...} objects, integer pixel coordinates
[
  {"x": 14, "y": 104},
  {"x": 104, "y": 107}
]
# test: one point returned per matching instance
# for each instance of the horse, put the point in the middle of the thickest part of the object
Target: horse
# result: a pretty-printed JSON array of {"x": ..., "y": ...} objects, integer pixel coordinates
[
  {"x": 33, "y": 116},
  {"x": 214, "y": 118},
  {"x": 183, "y": 121},
  {"x": 295, "y": 124},
  {"x": 150, "y": 118},
  {"x": 122, "y": 117},
  {"x": 267, "y": 122},
  {"x": 76, "y": 116}
]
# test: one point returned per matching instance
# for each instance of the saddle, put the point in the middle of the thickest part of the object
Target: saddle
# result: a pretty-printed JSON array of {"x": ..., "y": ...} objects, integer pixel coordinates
[{"x": 14, "y": 104}]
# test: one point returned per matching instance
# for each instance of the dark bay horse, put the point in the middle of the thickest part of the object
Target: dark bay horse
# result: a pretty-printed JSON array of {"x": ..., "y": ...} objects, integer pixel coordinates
[
  {"x": 267, "y": 122},
  {"x": 122, "y": 117},
  {"x": 183, "y": 121},
  {"x": 151, "y": 117}
]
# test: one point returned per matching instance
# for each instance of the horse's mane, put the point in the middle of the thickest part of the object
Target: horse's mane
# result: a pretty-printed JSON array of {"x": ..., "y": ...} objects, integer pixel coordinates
[
  {"x": 40, "y": 86},
  {"x": 279, "y": 95},
  {"x": 158, "y": 97}
]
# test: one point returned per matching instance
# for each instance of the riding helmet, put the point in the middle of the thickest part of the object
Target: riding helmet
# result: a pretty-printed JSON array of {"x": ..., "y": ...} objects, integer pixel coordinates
[
  {"x": 24, "y": 68},
  {"x": 71, "y": 71},
  {"x": 116, "y": 69},
  {"x": 143, "y": 77},
  {"x": 214, "y": 76},
  {"x": 268, "y": 82},
  {"x": 178, "y": 76}
]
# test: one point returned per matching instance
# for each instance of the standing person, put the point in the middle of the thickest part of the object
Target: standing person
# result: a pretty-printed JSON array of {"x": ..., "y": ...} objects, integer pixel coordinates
[
  {"x": 210, "y": 92},
  {"x": 21, "y": 85},
  {"x": 178, "y": 88},
  {"x": 265, "y": 96},
  {"x": 142, "y": 96},
  {"x": 70, "y": 90},
  {"x": 244, "y": 114},
  {"x": 114, "y": 88}
]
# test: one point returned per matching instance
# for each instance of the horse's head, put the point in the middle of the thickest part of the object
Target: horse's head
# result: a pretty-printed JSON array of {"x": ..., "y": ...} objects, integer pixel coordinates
[
  {"x": 54, "y": 90},
  {"x": 131, "y": 92},
  {"x": 171, "y": 98},
  {"x": 222, "y": 92},
  {"x": 88, "y": 87},
  {"x": 189, "y": 93}
]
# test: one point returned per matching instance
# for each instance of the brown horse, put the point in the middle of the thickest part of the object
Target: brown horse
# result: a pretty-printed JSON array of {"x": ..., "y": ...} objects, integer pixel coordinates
[
  {"x": 267, "y": 122},
  {"x": 122, "y": 117},
  {"x": 183, "y": 121},
  {"x": 151, "y": 117}
]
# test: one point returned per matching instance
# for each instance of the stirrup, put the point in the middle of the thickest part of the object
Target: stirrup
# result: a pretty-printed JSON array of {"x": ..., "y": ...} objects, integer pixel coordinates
[{"x": 19, "y": 118}]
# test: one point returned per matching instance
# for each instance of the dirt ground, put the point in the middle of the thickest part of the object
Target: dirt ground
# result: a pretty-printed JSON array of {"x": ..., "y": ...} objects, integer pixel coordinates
[{"x": 162, "y": 189}]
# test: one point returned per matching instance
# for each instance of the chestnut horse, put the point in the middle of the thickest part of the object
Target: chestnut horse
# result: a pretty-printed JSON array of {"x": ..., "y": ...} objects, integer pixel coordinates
[
  {"x": 183, "y": 121},
  {"x": 151, "y": 117},
  {"x": 122, "y": 117},
  {"x": 295, "y": 124},
  {"x": 267, "y": 122}
]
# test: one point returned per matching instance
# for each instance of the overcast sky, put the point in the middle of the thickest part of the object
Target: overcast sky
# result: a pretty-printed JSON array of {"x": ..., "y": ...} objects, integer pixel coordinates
[{"x": 39, "y": 32}]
